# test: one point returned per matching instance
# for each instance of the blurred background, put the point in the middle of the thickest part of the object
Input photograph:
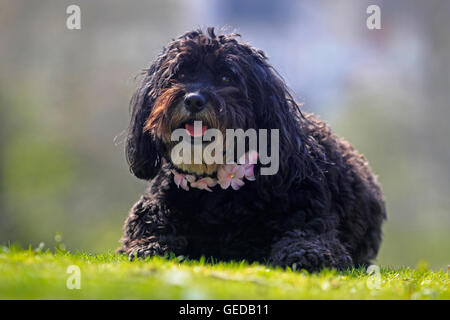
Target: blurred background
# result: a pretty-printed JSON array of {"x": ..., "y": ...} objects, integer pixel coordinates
[{"x": 64, "y": 106}]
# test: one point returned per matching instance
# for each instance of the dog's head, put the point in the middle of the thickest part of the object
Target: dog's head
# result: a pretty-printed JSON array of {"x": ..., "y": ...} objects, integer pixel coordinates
[{"x": 225, "y": 83}]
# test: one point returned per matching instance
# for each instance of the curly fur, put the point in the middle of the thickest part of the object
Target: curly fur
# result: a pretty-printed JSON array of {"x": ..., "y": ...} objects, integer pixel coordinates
[{"x": 324, "y": 208}]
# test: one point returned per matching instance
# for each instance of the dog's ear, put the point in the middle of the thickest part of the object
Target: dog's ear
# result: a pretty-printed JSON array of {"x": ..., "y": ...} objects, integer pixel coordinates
[
  {"x": 275, "y": 108},
  {"x": 142, "y": 148}
]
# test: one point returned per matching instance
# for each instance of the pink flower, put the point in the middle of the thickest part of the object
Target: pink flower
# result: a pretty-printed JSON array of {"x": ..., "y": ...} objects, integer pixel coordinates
[
  {"x": 228, "y": 175},
  {"x": 204, "y": 183},
  {"x": 248, "y": 162},
  {"x": 231, "y": 174},
  {"x": 181, "y": 179}
]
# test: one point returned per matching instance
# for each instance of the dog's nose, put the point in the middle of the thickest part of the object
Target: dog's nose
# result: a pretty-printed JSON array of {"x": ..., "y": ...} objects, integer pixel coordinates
[{"x": 194, "y": 102}]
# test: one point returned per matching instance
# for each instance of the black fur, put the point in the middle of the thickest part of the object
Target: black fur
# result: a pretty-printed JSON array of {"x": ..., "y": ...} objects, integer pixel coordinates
[{"x": 324, "y": 208}]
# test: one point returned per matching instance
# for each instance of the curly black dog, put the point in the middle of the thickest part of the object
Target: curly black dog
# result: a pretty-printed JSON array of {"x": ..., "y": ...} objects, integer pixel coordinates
[{"x": 322, "y": 209}]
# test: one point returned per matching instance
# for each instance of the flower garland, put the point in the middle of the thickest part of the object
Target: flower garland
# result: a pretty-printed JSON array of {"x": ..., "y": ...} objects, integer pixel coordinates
[{"x": 228, "y": 175}]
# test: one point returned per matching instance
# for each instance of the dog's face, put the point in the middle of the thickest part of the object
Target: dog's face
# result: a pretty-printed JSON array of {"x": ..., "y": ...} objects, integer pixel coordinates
[
  {"x": 224, "y": 83},
  {"x": 201, "y": 79}
]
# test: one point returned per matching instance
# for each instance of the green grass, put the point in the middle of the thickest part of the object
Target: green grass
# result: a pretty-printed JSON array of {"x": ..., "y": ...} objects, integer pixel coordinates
[{"x": 28, "y": 274}]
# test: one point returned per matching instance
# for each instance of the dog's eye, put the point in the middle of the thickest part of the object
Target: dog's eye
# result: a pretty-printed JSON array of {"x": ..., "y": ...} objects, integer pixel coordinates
[
  {"x": 181, "y": 76},
  {"x": 225, "y": 79}
]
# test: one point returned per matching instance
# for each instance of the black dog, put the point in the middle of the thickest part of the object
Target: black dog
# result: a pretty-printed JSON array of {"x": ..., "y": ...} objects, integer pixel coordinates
[{"x": 324, "y": 207}]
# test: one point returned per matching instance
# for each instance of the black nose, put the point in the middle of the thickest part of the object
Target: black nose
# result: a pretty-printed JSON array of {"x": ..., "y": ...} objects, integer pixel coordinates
[{"x": 194, "y": 102}]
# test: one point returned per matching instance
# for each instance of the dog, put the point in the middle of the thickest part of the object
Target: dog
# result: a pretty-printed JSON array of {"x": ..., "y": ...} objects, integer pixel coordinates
[{"x": 322, "y": 209}]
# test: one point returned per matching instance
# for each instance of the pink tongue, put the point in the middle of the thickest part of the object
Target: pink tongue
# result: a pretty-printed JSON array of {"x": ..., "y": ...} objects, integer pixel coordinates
[{"x": 190, "y": 130}]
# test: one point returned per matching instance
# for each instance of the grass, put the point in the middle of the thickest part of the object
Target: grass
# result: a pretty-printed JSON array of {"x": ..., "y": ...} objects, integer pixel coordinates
[{"x": 32, "y": 274}]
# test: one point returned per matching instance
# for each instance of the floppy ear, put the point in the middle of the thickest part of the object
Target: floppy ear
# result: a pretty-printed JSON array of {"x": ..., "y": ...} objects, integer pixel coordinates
[
  {"x": 275, "y": 108},
  {"x": 142, "y": 148}
]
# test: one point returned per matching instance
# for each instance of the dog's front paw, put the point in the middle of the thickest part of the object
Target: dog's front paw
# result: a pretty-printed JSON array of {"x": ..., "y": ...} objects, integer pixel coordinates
[
  {"x": 298, "y": 259},
  {"x": 309, "y": 254},
  {"x": 143, "y": 252},
  {"x": 140, "y": 253}
]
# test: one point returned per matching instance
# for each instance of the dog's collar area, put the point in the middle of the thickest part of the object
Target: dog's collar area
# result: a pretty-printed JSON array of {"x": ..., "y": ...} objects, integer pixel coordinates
[{"x": 228, "y": 175}]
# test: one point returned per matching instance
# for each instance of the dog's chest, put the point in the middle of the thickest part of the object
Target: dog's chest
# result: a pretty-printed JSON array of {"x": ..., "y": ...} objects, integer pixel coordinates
[
  {"x": 228, "y": 241},
  {"x": 226, "y": 226}
]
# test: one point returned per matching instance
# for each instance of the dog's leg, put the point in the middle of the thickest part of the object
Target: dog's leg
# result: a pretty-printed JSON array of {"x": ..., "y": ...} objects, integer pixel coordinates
[
  {"x": 311, "y": 252},
  {"x": 148, "y": 232}
]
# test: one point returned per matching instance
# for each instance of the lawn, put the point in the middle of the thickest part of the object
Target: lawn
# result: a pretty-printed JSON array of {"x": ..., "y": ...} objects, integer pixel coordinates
[{"x": 31, "y": 274}]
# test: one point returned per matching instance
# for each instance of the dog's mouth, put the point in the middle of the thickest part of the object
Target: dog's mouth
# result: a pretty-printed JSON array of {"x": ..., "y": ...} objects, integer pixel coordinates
[
  {"x": 195, "y": 130},
  {"x": 195, "y": 127}
]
